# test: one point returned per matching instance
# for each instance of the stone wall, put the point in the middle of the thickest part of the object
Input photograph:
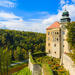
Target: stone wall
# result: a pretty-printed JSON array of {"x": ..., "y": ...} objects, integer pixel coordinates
[
  {"x": 68, "y": 64},
  {"x": 35, "y": 68}
]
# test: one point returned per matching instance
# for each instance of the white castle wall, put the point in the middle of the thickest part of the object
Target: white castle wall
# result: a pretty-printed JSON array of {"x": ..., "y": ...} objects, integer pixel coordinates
[
  {"x": 35, "y": 68},
  {"x": 69, "y": 64}
]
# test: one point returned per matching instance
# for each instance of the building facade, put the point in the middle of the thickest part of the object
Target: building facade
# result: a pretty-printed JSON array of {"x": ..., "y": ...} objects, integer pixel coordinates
[{"x": 56, "y": 35}]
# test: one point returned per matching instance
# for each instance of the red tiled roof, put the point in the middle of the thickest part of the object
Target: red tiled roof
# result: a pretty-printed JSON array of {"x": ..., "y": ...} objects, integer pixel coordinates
[{"x": 54, "y": 25}]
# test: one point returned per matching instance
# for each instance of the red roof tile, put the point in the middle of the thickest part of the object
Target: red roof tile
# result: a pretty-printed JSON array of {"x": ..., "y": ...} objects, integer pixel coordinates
[{"x": 54, "y": 25}]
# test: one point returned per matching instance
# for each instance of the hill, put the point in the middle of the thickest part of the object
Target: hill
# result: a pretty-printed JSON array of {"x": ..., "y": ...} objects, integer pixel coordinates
[{"x": 19, "y": 43}]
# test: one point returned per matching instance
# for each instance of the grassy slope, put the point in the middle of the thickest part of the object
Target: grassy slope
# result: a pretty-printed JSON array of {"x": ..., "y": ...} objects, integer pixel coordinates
[{"x": 24, "y": 71}]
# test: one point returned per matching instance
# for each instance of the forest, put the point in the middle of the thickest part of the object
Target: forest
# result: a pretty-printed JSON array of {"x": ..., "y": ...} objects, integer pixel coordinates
[{"x": 18, "y": 43}]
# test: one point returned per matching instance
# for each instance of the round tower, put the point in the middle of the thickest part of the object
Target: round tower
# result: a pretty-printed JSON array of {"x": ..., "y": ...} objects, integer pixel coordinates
[{"x": 65, "y": 17}]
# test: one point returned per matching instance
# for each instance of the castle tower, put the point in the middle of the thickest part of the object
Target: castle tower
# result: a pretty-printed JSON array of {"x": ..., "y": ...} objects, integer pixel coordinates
[
  {"x": 65, "y": 17},
  {"x": 63, "y": 21},
  {"x": 56, "y": 37}
]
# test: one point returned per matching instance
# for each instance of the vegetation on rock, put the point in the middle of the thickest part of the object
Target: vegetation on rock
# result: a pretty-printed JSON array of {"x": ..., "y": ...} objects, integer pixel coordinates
[{"x": 71, "y": 39}]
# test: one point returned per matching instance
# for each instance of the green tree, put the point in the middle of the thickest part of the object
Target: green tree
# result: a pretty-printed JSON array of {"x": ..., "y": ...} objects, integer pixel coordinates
[{"x": 71, "y": 35}]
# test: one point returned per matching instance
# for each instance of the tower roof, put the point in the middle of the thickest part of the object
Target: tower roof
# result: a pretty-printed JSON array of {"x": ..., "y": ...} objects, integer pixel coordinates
[
  {"x": 54, "y": 25},
  {"x": 65, "y": 13},
  {"x": 65, "y": 17}
]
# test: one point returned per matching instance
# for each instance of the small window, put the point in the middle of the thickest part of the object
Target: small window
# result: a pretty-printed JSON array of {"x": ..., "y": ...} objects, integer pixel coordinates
[
  {"x": 53, "y": 39},
  {"x": 55, "y": 52},
  {"x": 48, "y": 44},
  {"x": 57, "y": 39},
  {"x": 48, "y": 33},
  {"x": 63, "y": 46},
  {"x": 63, "y": 33},
  {"x": 49, "y": 51},
  {"x": 54, "y": 45},
  {"x": 48, "y": 38},
  {"x": 57, "y": 33},
  {"x": 51, "y": 32},
  {"x": 63, "y": 39}
]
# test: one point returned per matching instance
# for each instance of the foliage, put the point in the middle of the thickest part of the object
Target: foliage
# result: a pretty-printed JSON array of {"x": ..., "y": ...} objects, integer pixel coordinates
[
  {"x": 72, "y": 56},
  {"x": 71, "y": 39},
  {"x": 39, "y": 54},
  {"x": 31, "y": 59},
  {"x": 20, "y": 43},
  {"x": 47, "y": 69},
  {"x": 71, "y": 35},
  {"x": 24, "y": 71},
  {"x": 17, "y": 68},
  {"x": 52, "y": 64},
  {"x": 4, "y": 61}
]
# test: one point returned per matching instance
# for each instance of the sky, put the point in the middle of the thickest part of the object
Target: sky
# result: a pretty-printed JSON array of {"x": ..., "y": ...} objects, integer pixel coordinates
[{"x": 33, "y": 15}]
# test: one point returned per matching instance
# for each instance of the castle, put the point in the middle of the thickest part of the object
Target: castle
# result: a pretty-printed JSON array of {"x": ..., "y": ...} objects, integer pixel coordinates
[{"x": 56, "y": 35}]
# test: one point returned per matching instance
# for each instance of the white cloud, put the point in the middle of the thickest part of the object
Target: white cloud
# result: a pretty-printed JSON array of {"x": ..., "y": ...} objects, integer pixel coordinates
[
  {"x": 53, "y": 18},
  {"x": 7, "y": 3},
  {"x": 62, "y": 2},
  {"x": 7, "y": 16},
  {"x": 73, "y": 1},
  {"x": 11, "y": 21}
]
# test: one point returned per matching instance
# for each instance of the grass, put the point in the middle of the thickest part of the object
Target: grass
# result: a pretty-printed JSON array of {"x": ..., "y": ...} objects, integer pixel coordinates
[
  {"x": 17, "y": 68},
  {"x": 24, "y": 71},
  {"x": 31, "y": 59},
  {"x": 47, "y": 70}
]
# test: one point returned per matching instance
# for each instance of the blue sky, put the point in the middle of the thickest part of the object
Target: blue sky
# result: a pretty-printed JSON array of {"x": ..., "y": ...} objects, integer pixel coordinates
[{"x": 33, "y": 15}]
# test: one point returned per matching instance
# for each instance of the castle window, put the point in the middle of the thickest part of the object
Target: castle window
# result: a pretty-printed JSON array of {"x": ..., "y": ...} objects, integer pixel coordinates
[
  {"x": 57, "y": 33},
  {"x": 57, "y": 39},
  {"x": 63, "y": 39},
  {"x": 54, "y": 45},
  {"x": 48, "y": 33},
  {"x": 51, "y": 32},
  {"x": 48, "y": 44},
  {"x": 49, "y": 51},
  {"x": 63, "y": 46},
  {"x": 63, "y": 33},
  {"x": 48, "y": 38},
  {"x": 55, "y": 52}
]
